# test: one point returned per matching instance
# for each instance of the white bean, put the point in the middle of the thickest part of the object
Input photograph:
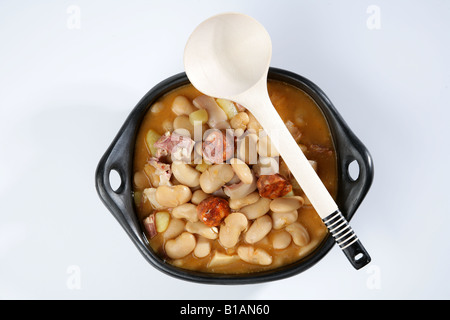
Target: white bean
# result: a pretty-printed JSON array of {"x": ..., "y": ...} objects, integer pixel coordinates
[
  {"x": 201, "y": 229},
  {"x": 254, "y": 256},
  {"x": 181, "y": 246},
  {"x": 237, "y": 204},
  {"x": 185, "y": 174},
  {"x": 280, "y": 239},
  {"x": 259, "y": 229},
  {"x": 223, "y": 125},
  {"x": 286, "y": 204},
  {"x": 183, "y": 122},
  {"x": 182, "y": 106},
  {"x": 257, "y": 209},
  {"x": 198, "y": 196},
  {"x": 182, "y": 132},
  {"x": 175, "y": 228},
  {"x": 230, "y": 231},
  {"x": 282, "y": 219},
  {"x": 203, "y": 247},
  {"x": 238, "y": 132},
  {"x": 157, "y": 107},
  {"x": 215, "y": 177},
  {"x": 266, "y": 148},
  {"x": 247, "y": 148},
  {"x": 173, "y": 196},
  {"x": 242, "y": 170},
  {"x": 299, "y": 234},
  {"x": 240, "y": 190},
  {"x": 140, "y": 180},
  {"x": 186, "y": 211}
]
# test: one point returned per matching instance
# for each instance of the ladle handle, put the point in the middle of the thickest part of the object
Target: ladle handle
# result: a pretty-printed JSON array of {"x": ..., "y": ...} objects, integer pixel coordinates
[
  {"x": 258, "y": 102},
  {"x": 347, "y": 239}
]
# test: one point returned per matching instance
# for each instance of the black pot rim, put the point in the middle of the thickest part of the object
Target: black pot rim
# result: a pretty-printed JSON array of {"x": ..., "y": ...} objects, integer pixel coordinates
[{"x": 119, "y": 157}]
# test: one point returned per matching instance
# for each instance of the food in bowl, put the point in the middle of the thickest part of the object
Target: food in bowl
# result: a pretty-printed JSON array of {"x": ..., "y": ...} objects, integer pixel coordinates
[{"x": 211, "y": 192}]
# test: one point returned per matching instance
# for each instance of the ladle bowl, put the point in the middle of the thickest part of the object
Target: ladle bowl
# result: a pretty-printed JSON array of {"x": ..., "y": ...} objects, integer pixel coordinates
[{"x": 227, "y": 55}]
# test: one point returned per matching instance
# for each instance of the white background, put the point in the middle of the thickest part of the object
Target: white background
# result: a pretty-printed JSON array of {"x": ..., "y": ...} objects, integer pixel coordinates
[{"x": 65, "y": 92}]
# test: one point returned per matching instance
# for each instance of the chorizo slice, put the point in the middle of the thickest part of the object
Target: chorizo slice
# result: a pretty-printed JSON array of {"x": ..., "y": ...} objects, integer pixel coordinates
[
  {"x": 273, "y": 186},
  {"x": 213, "y": 210},
  {"x": 217, "y": 147}
]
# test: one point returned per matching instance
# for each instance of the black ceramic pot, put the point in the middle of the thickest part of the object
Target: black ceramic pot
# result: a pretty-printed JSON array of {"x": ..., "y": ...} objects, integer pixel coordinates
[{"x": 119, "y": 157}]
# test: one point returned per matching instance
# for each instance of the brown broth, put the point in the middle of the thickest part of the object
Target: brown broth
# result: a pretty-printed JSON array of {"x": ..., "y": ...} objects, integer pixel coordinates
[{"x": 292, "y": 104}]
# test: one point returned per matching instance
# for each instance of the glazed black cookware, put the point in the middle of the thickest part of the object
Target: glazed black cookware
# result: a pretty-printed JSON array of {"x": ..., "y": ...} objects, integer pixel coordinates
[{"x": 119, "y": 157}]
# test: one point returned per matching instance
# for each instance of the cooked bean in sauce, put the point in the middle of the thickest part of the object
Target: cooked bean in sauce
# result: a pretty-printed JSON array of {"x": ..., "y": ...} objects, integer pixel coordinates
[{"x": 211, "y": 192}]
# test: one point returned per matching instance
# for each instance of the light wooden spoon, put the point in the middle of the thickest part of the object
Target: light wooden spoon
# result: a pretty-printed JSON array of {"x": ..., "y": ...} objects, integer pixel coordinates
[{"x": 228, "y": 56}]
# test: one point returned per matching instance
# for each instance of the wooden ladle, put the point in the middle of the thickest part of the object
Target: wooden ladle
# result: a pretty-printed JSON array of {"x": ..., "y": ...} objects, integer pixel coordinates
[{"x": 228, "y": 56}]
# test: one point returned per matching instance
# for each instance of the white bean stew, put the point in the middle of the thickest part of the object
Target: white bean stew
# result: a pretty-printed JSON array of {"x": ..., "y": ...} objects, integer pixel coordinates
[{"x": 211, "y": 191}]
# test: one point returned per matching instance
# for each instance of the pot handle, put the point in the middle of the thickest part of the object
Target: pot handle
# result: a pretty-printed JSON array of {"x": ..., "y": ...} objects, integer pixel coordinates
[
  {"x": 354, "y": 189},
  {"x": 119, "y": 201},
  {"x": 351, "y": 195}
]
